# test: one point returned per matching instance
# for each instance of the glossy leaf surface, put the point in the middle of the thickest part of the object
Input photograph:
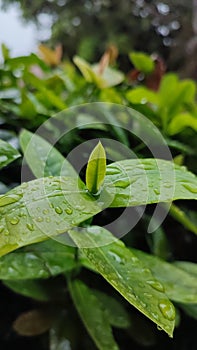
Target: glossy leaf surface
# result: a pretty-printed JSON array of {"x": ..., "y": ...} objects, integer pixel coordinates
[{"x": 128, "y": 275}]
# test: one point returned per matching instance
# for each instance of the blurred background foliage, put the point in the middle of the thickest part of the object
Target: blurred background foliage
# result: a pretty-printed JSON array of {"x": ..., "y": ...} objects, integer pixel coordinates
[{"x": 87, "y": 27}]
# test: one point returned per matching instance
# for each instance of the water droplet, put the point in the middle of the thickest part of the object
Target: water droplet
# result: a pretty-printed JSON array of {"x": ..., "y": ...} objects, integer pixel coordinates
[
  {"x": 24, "y": 185},
  {"x": 155, "y": 315},
  {"x": 14, "y": 220},
  {"x": 190, "y": 188},
  {"x": 9, "y": 199},
  {"x": 1, "y": 229},
  {"x": 134, "y": 259},
  {"x": 48, "y": 219},
  {"x": 51, "y": 205},
  {"x": 123, "y": 183},
  {"x": 45, "y": 211},
  {"x": 168, "y": 185},
  {"x": 116, "y": 257},
  {"x": 30, "y": 227},
  {"x": 167, "y": 309},
  {"x": 156, "y": 285},
  {"x": 58, "y": 210},
  {"x": 112, "y": 171},
  {"x": 68, "y": 211},
  {"x": 6, "y": 233},
  {"x": 39, "y": 219},
  {"x": 148, "y": 295},
  {"x": 156, "y": 191}
]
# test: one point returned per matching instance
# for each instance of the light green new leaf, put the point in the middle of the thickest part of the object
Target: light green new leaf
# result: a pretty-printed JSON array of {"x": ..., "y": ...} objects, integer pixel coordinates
[
  {"x": 43, "y": 158},
  {"x": 109, "y": 77},
  {"x": 41, "y": 260},
  {"x": 128, "y": 275},
  {"x": 144, "y": 181},
  {"x": 93, "y": 316},
  {"x": 142, "y": 95},
  {"x": 96, "y": 168},
  {"x": 143, "y": 62},
  {"x": 7, "y": 153},
  {"x": 180, "y": 286},
  {"x": 180, "y": 122}
]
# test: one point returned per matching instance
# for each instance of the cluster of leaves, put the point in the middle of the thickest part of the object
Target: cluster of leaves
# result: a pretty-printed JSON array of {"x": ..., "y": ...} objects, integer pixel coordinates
[{"x": 45, "y": 268}]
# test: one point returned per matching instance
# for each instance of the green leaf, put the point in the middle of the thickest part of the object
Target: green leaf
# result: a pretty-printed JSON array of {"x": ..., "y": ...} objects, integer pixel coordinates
[
  {"x": 5, "y": 52},
  {"x": 41, "y": 260},
  {"x": 7, "y": 153},
  {"x": 29, "y": 288},
  {"x": 108, "y": 78},
  {"x": 180, "y": 122},
  {"x": 43, "y": 158},
  {"x": 179, "y": 285},
  {"x": 142, "y": 95},
  {"x": 143, "y": 62},
  {"x": 92, "y": 315},
  {"x": 181, "y": 217},
  {"x": 96, "y": 168},
  {"x": 187, "y": 266},
  {"x": 43, "y": 208},
  {"x": 115, "y": 312},
  {"x": 128, "y": 275},
  {"x": 144, "y": 181}
]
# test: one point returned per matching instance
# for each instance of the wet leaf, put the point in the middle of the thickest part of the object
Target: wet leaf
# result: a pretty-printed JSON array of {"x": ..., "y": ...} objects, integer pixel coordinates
[
  {"x": 180, "y": 286},
  {"x": 7, "y": 153},
  {"x": 143, "y": 181},
  {"x": 43, "y": 208},
  {"x": 43, "y": 158},
  {"x": 40, "y": 260},
  {"x": 128, "y": 275}
]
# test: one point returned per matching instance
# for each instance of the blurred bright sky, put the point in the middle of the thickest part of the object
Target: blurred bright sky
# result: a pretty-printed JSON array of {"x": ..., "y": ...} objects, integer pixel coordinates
[{"x": 21, "y": 38}]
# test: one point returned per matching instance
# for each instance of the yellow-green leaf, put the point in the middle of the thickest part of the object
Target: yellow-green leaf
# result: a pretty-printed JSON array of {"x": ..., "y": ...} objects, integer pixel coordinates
[{"x": 96, "y": 169}]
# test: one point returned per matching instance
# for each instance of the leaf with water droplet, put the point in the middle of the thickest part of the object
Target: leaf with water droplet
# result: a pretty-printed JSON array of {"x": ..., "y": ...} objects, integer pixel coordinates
[
  {"x": 93, "y": 316},
  {"x": 7, "y": 154},
  {"x": 127, "y": 277},
  {"x": 43, "y": 158},
  {"x": 145, "y": 182},
  {"x": 179, "y": 285},
  {"x": 96, "y": 169},
  {"x": 40, "y": 260},
  {"x": 49, "y": 197}
]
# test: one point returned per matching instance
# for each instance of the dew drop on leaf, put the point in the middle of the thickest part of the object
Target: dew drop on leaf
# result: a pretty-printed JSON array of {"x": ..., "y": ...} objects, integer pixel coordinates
[
  {"x": 156, "y": 285},
  {"x": 156, "y": 191},
  {"x": 14, "y": 220},
  {"x": 58, "y": 210},
  {"x": 68, "y": 211},
  {"x": 190, "y": 188},
  {"x": 167, "y": 309},
  {"x": 123, "y": 183},
  {"x": 30, "y": 227},
  {"x": 39, "y": 219}
]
